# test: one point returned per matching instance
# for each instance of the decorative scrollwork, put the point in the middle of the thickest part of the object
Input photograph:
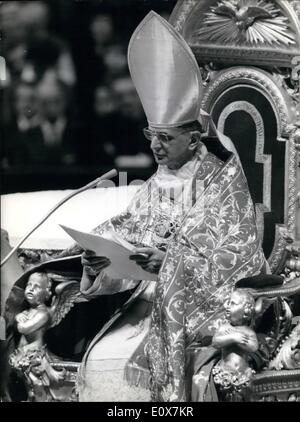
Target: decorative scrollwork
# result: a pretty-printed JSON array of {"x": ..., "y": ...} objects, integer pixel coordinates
[
  {"x": 180, "y": 13},
  {"x": 288, "y": 355},
  {"x": 277, "y": 255},
  {"x": 276, "y": 386},
  {"x": 256, "y": 78},
  {"x": 239, "y": 55},
  {"x": 296, "y": 5},
  {"x": 292, "y": 189},
  {"x": 260, "y": 157},
  {"x": 261, "y": 81},
  {"x": 252, "y": 38}
]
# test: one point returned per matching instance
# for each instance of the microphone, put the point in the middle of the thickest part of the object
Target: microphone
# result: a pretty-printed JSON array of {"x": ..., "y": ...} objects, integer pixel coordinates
[{"x": 95, "y": 183}]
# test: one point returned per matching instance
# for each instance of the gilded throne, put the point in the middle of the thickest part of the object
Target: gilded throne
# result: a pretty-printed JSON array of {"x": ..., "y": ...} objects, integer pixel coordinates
[{"x": 247, "y": 52}]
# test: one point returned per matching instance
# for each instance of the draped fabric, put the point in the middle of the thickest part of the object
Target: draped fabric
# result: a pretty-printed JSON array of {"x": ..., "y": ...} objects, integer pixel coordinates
[
  {"x": 216, "y": 245},
  {"x": 210, "y": 242}
]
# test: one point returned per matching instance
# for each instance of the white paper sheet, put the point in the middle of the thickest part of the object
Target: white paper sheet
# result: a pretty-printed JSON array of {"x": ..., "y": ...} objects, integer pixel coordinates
[{"x": 116, "y": 249}]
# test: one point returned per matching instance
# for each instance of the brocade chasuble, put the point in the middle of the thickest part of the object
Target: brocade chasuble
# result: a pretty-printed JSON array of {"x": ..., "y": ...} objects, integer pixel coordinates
[{"x": 211, "y": 241}]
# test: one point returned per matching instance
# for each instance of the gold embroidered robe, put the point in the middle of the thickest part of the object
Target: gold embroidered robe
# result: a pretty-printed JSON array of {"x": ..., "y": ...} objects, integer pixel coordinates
[{"x": 209, "y": 246}]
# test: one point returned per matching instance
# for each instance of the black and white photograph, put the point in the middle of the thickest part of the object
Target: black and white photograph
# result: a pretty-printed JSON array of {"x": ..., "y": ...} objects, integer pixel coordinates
[{"x": 150, "y": 203}]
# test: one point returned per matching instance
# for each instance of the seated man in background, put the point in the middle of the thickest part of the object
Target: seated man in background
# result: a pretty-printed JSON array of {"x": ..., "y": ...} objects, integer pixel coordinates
[
  {"x": 104, "y": 132},
  {"x": 57, "y": 138},
  {"x": 58, "y": 134},
  {"x": 131, "y": 148},
  {"x": 25, "y": 120}
]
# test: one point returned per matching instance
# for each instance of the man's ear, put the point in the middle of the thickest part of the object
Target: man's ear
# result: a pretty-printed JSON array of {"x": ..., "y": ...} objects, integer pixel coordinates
[{"x": 194, "y": 140}]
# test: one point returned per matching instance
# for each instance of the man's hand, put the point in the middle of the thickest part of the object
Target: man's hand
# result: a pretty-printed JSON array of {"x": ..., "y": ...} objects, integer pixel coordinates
[
  {"x": 93, "y": 264},
  {"x": 150, "y": 259}
]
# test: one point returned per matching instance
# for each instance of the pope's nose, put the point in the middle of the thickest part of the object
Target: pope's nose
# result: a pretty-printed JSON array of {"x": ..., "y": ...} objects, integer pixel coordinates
[
  {"x": 155, "y": 144},
  {"x": 226, "y": 305}
]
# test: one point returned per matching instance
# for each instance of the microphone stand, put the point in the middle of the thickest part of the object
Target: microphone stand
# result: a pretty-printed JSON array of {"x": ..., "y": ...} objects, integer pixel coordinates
[{"x": 109, "y": 175}]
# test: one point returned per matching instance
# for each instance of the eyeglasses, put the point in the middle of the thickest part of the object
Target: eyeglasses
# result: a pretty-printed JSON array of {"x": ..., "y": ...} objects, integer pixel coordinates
[{"x": 163, "y": 137}]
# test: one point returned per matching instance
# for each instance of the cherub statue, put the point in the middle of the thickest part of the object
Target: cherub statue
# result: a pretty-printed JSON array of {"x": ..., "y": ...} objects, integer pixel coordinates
[
  {"x": 31, "y": 357},
  {"x": 236, "y": 339}
]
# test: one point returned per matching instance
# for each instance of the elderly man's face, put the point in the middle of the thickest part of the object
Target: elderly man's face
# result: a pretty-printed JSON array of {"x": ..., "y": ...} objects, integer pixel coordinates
[
  {"x": 171, "y": 147},
  {"x": 52, "y": 102},
  {"x": 26, "y": 101}
]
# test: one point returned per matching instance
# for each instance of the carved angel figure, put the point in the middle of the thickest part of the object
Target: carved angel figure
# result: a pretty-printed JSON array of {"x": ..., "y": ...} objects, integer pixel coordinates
[
  {"x": 288, "y": 356},
  {"x": 236, "y": 339},
  {"x": 31, "y": 357}
]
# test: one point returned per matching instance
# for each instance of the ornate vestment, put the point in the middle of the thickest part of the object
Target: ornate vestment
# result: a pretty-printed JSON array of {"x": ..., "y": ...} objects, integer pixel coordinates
[{"x": 211, "y": 242}]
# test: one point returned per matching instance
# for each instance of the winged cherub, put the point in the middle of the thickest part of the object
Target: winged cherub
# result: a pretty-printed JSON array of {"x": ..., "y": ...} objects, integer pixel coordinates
[
  {"x": 243, "y": 16},
  {"x": 31, "y": 357},
  {"x": 236, "y": 339}
]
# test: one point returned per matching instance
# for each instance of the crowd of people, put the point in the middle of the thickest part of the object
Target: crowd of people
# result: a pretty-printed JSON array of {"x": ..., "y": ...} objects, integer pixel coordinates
[{"x": 68, "y": 98}]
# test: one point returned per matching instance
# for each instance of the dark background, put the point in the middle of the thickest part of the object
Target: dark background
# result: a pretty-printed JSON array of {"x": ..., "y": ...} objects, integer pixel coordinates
[{"x": 69, "y": 110}]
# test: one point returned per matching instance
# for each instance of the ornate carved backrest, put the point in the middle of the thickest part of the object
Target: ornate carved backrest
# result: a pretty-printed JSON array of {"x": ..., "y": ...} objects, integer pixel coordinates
[{"x": 246, "y": 51}]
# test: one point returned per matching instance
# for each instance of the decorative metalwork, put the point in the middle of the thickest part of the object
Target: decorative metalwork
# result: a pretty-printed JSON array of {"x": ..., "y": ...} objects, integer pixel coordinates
[
  {"x": 180, "y": 13},
  {"x": 244, "y": 55},
  {"x": 254, "y": 22},
  {"x": 260, "y": 157},
  {"x": 279, "y": 247},
  {"x": 277, "y": 38},
  {"x": 288, "y": 355},
  {"x": 292, "y": 178},
  {"x": 239, "y": 76},
  {"x": 281, "y": 385},
  {"x": 296, "y": 5},
  {"x": 257, "y": 79}
]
